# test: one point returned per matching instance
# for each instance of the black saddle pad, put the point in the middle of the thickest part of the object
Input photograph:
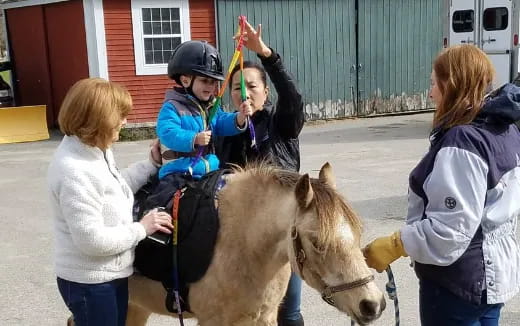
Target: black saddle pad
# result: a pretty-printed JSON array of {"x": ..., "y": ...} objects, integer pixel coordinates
[{"x": 197, "y": 229}]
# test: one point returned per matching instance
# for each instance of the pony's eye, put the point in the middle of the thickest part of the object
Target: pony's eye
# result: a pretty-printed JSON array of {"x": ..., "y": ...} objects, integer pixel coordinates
[{"x": 316, "y": 244}]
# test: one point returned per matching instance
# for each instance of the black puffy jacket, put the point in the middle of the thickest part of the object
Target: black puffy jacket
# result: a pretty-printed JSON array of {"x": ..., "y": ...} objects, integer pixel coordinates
[{"x": 276, "y": 127}]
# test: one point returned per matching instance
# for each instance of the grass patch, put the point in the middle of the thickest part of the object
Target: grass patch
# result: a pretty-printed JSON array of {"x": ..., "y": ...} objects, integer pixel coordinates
[
  {"x": 140, "y": 133},
  {"x": 6, "y": 75}
]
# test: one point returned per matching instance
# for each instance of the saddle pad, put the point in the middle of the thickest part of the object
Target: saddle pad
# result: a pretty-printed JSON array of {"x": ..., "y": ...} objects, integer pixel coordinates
[{"x": 198, "y": 230}]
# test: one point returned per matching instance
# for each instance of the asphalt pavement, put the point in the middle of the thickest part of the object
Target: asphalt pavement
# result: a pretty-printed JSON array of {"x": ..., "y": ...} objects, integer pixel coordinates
[{"x": 371, "y": 159}]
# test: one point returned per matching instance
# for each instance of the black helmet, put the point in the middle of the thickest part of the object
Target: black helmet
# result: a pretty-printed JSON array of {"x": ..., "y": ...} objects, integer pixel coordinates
[{"x": 195, "y": 58}]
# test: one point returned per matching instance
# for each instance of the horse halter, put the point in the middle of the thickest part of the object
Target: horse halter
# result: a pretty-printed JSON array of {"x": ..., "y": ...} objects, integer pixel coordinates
[{"x": 328, "y": 291}]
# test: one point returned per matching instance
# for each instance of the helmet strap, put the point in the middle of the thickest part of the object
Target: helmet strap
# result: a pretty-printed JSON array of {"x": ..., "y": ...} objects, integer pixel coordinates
[{"x": 189, "y": 89}]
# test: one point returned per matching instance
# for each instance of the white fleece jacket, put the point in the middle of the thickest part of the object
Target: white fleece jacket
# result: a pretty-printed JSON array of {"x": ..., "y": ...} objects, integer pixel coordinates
[{"x": 92, "y": 204}]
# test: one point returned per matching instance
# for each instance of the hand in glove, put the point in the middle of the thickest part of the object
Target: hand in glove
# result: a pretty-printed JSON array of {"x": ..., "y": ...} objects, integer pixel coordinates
[{"x": 381, "y": 252}]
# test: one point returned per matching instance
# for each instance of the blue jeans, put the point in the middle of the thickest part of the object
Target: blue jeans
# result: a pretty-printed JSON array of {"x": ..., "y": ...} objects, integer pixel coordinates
[
  {"x": 290, "y": 307},
  {"x": 103, "y": 304},
  {"x": 439, "y": 306}
]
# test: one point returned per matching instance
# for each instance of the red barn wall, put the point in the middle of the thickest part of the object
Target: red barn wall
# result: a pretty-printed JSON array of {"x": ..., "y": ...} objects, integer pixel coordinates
[{"x": 147, "y": 91}]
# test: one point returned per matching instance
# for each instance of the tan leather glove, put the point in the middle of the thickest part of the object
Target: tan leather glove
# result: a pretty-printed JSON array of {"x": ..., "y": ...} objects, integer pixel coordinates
[{"x": 381, "y": 252}]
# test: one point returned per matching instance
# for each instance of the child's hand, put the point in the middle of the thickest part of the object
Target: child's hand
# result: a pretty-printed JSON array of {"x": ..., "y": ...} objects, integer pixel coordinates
[
  {"x": 245, "y": 110},
  {"x": 203, "y": 138}
]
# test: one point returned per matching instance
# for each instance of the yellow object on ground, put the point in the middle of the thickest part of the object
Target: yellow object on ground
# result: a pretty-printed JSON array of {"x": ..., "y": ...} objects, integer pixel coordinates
[{"x": 23, "y": 123}]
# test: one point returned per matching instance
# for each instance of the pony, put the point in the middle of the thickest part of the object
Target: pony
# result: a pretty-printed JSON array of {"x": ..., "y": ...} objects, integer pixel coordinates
[{"x": 272, "y": 221}]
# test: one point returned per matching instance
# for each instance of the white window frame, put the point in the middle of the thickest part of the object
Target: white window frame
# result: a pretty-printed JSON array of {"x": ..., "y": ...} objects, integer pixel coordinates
[{"x": 141, "y": 68}]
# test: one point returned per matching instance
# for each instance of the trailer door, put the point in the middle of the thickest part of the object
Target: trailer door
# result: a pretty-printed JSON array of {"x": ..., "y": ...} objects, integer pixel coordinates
[
  {"x": 463, "y": 22},
  {"x": 496, "y": 39}
]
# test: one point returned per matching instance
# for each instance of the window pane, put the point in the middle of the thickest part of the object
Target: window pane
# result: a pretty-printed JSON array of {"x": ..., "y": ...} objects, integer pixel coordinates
[
  {"x": 175, "y": 13},
  {"x": 147, "y": 28},
  {"x": 156, "y": 28},
  {"x": 147, "y": 14},
  {"x": 148, "y": 44},
  {"x": 167, "y": 55},
  {"x": 148, "y": 57},
  {"x": 165, "y": 14},
  {"x": 495, "y": 19},
  {"x": 166, "y": 29},
  {"x": 463, "y": 21},
  {"x": 158, "y": 57},
  {"x": 157, "y": 22},
  {"x": 175, "y": 42},
  {"x": 156, "y": 14},
  {"x": 167, "y": 44},
  {"x": 176, "y": 28},
  {"x": 157, "y": 44}
]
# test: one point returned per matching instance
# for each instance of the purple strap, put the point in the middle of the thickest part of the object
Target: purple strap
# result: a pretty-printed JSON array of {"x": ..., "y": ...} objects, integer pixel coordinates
[
  {"x": 196, "y": 159},
  {"x": 252, "y": 133}
]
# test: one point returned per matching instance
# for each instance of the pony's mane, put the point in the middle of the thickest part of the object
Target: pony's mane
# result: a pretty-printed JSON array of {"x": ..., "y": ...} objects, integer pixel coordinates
[{"x": 326, "y": 199}]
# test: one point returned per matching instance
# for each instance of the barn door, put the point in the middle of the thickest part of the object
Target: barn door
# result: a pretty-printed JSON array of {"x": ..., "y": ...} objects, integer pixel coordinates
[
  {"x": 316, "y": 40},
  {"x": 397, "y": 43},
  {"x": 28, "y": 45}
]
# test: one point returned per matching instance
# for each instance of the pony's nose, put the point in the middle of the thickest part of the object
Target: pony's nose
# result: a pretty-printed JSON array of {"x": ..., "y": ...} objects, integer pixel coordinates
[
  {"x": 382, "y": 305},
  {"x": 370, "y": 308}
]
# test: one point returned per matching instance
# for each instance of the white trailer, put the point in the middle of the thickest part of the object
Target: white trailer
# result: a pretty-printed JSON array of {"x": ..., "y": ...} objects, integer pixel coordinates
[{"x": 492, "y": 25}]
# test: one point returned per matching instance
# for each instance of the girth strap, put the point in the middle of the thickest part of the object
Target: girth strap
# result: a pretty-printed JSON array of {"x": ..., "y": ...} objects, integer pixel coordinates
[{"x": 175, "y": 270}]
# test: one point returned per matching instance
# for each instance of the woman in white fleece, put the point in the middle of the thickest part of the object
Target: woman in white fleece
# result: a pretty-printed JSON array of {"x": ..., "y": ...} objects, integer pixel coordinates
[{"x": 92, "y": 203}]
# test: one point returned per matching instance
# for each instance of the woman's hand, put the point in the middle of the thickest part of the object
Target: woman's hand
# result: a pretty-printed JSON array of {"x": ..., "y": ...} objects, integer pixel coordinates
[
  {"x": 157, "y": 221},
  {"x": 245, "y": 110},
  {"x": 253, "y": 40},
  {"x": 381, "y": 252},
  {"x": 155, "y": 152}
]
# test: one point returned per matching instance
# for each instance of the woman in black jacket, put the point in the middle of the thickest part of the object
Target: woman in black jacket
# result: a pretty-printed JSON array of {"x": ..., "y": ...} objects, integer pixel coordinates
[{"x": 276, "y": 129}]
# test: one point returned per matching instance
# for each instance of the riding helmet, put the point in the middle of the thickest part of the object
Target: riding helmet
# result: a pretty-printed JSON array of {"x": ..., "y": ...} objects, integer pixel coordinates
[{"x": 197, "y": 58}]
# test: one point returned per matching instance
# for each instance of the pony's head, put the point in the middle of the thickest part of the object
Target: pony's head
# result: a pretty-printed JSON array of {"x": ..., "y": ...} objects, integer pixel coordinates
[{"x": 325, "y": 249}]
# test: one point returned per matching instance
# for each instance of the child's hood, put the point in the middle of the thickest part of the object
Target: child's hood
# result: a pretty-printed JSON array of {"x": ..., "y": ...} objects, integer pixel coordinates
[{"x": 177, "y": 95}]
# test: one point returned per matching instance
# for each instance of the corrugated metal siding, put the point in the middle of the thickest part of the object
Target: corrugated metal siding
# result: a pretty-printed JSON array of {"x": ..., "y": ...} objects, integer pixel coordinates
[
  {"x": 398, "y": 41},
  {"x": 147, "y": 91},
  {"x": 316, "y": 39},
  {"x": 381, "y": 67}
]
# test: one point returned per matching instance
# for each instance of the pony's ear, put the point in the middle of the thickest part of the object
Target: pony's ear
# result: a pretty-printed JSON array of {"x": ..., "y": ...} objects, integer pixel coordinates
[
  {"x": 304, "y": 192},
  {"x": 327, "y": 176}
]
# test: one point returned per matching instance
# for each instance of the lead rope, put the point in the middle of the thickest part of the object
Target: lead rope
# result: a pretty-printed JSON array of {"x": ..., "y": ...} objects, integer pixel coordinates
[
  {"x": 237, "y": 55},
  {"x": 243, "y": 89},
  {"x": 391, "y": 290}
]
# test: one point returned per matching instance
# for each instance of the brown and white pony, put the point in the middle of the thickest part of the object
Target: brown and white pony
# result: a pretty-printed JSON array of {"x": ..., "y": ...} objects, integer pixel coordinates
[{"x": 272, "y": 220}]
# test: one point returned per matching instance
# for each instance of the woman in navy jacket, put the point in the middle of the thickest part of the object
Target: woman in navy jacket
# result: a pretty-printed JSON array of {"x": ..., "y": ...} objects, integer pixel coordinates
[{"x": 463, "y": 202}]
